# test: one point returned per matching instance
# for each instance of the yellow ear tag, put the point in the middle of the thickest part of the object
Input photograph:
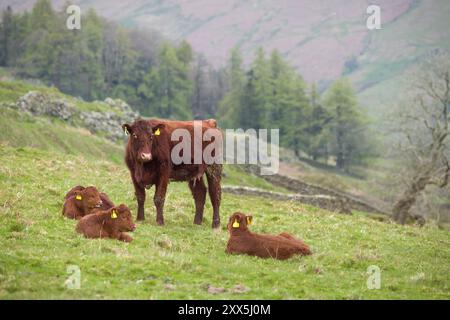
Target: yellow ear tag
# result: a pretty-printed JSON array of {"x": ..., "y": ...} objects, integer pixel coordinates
[
  {"x": 78, "y": 197},
  {"x": 113, "y": 214},
  {"x": 249, "y": 221},
  {"x": 157, "y": 132},
  {"x": 235, "y": 224}
]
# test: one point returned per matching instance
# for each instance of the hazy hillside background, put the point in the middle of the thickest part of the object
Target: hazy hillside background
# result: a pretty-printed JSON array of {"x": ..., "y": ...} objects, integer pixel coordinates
[
  {"x": 323, "y": 39},
  {"x": 287, "y": 65}
]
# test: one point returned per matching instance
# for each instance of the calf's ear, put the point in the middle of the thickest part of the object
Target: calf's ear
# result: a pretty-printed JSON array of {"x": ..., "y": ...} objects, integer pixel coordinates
[
  {"x": 78, "y": 195},
  {"x": 127, "y": 128},
  {"x": 236, "y": 221},
  {"x": 114, "y": 213}
]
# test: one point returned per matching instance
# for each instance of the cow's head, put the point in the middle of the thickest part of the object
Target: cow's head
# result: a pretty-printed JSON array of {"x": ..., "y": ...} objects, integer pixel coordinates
[
  {"x": 239, "y": 222},
  {"x": 88, "y": 198},
  {"x": 142, "y": 138},
  {"x": 121, "y": 217}
]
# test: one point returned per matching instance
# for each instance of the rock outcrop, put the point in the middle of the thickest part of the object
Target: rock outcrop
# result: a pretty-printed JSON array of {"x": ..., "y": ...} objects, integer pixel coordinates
[{"x": 40, "y": 104}]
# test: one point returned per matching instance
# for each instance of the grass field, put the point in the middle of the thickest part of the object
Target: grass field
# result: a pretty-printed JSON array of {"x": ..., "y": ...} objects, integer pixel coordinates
[
  {"x": 181, "y": 260},
  {"x": 42, "y": 158}
]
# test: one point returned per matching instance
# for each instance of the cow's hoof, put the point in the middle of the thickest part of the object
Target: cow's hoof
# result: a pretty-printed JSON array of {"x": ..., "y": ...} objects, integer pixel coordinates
[
  {"x": 160, "y": 223},
  {"x": 140, "y": 219},
  {"x": 198, "y": 221},
  {"x": 216, "y": 224}
]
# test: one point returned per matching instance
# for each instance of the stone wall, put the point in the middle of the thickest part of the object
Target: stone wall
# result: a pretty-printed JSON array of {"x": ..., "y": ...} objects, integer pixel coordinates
[
  {"x": 107, "y": 123},
  {"x": 303, "y": 188},
  {"x": 330, "y": 203}
]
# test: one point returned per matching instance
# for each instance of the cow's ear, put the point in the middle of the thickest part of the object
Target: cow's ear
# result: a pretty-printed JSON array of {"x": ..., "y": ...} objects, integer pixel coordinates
[
  {"x": 114, "y": 213},
  {"x": 236, "y": 223},
  {"x": 158, "y": 128},
  {"x": 78, "y": 195},
  {"x": 127, "y": 128}
]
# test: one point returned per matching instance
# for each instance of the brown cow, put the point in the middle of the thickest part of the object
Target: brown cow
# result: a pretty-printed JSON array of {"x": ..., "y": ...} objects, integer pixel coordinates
[
  {"x": 106, "y": 202},
  {"x": 148, "y": 157},
  {"x": 242, "y": 241},
  {"x": 111, "y": 223},
  {"x": 81, "y": 202}
]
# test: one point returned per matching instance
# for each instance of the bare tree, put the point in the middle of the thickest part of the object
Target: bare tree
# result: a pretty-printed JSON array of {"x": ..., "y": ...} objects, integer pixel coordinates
[{"x": 424, "y": 128}]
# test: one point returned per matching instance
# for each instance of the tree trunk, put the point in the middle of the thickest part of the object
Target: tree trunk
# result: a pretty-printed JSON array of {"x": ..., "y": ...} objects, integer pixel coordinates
[
  {"x": 402, "y": 207},
  {"x": 340, "y": 157},
  {"x": 297, "y": 153}
]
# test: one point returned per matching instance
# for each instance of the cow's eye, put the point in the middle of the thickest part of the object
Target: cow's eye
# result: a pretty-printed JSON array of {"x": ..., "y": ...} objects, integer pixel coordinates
[{"x": 134, "y": 136}]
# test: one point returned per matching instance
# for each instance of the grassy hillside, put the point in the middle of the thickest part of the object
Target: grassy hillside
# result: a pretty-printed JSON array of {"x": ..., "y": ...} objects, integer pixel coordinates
[
  {"x": 53, "y": 135},
  {"x": 180, "y": 260},
  {"x": 396, "y": 49},
  {"x": 42, "y": 158}
]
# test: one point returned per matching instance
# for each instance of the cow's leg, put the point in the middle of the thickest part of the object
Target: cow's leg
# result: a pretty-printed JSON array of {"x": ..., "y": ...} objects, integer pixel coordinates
[
  {"x": 198, "y": 190},
  {"x": 140, "y": 197},
  {"x": 160, "y": 194},
  {"x": 214, "y": 174}
]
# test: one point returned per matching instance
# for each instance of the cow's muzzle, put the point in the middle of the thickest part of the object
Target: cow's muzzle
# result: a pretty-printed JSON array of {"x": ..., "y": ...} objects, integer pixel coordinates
[{"x": 146, "y": 157}]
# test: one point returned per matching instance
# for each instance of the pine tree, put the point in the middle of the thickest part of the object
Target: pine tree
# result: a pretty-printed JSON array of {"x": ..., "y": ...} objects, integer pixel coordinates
[
  {"x": 317, "y": 131},
  {"x": 167, "y": 87},
  {"x": 346, "y": 125},
  {"x": 92, "y": 51},
  {"x": 230, "y": 106},
  {"x": 39, "y": 52},
  {"x": 6, "y": 30},
  {"x": 199, "y": 100},
  {"x": 257, "y": 107}
]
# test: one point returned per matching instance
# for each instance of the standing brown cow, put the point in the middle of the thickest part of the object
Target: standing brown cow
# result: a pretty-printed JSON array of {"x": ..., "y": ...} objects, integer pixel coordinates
[{"x": 148, "y": 157}]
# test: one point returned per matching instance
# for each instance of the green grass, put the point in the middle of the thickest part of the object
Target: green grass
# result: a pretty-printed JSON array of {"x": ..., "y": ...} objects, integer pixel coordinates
[
  {"x": 235, "y": 175},
  {"x": 20, "y": 130},
  {"x": 97, "y": 106},
  {"x": 39, "y": 244},
  {"x": 10, "y": 91}
]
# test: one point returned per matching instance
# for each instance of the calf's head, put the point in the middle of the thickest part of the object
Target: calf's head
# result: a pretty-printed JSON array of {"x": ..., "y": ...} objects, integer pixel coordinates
[
  {"x": 239, "y": 222},
  {"x": 142, "y": 138},
  {"x": 88, "y": 198},
  {"x": 121, "y": 217},
  {"x": 72, "y": 191}
]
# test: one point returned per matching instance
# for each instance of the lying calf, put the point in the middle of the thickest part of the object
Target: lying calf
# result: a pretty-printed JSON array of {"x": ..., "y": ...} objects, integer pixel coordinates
[
  {"x": 81, "y": 202},
  {"x": 106, "y": 202},
  {"x": 242, "y": 241},
  {"x": 111, "y": 223}
]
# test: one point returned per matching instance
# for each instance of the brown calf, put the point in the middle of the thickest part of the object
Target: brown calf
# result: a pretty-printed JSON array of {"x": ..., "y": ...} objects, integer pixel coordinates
[
  {"x": 111, "y": 223},
  {"x": 81, "y": 203},
  {"x": 148, "y": 158},
  {"x": 242, "y": 241},
  {"x": 106, "y": 202}
]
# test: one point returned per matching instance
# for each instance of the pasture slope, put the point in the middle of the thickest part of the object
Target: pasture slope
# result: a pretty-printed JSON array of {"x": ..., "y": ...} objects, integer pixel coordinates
[{"x": 42, "y": 158}]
